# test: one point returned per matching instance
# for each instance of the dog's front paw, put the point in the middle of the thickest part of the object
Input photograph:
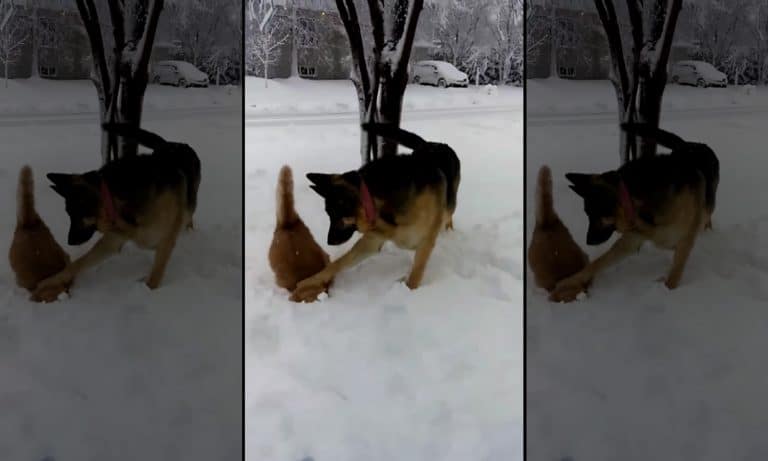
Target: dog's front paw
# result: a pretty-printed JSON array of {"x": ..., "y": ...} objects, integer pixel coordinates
[
  {"x": 307, "y": 293},
  {"x": 308, "y": 290},
  {"x": 49, "y": 289},
  {"x": 568, "y": 290},
  {"x": 151, "y": 282},
  {"x": 669, "y": 282}
]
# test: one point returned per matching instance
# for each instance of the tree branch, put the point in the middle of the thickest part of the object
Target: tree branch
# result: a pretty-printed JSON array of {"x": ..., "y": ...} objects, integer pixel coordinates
[
  {"x": 144, "y": 47},
  {"x": 92, "y": 26},
  {"x": 406, "y": 42},
  {"x": 670, "y": 21}
]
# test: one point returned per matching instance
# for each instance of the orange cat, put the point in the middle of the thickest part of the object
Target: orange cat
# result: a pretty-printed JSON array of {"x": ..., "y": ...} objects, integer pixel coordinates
[{"x": 34, "y": 255}]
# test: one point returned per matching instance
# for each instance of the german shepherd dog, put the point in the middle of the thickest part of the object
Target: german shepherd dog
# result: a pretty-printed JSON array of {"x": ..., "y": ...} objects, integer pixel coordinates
[
  {"x": 34, "y": 254},
  {"x": 665, "y": 199},
  {"x": 406, "y": 199},
  {"x": 553, "y": 254},
  {"x": 294, "y": 254},
  {"x": 146, "y": 199}
]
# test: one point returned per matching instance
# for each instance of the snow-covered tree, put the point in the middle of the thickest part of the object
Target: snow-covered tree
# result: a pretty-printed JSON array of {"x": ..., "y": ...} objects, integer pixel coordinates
[
  {"x": 759, "y": 26},
  {"x": 536, "y": 29},
  {"x": 380, "y": 71},
  {"x": 121, "y": 71},
  {"x": 547, "y": 27},
  {"x": 14, "y": 34},
  {"x": 507, "y": 28},
  {"x": 197, "y": 25},
  {"x": 715, "y": 30},
  {"x": 639, "y": 68},
  {"x": 456, "y": 29},
  {"x": 265, "y": 40}
]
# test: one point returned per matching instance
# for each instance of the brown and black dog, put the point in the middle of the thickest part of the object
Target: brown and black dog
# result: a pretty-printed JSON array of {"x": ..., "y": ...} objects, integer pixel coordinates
[
  {"x": 405, "y": 199},
  {"x": 665, "y": 199},
  {"x": 34, "y": 254},
  {"x": 294, "y": 254},
  {"x": 553, "y": 254},
  {"x": 146, "y": 199}
]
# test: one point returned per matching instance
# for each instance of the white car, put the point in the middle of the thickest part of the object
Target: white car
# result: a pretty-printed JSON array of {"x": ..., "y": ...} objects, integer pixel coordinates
[
  {"x": 178, "y": 73},
  {"x": 699, "y": 73},
  {"x": 440, "y": 73}
]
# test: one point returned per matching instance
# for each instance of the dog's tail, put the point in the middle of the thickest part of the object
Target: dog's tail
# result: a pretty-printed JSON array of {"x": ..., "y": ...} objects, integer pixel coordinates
[
  {"x": 143, "y": 137},
  {"x": 286, "y": 213},
  {"x": 545, "y": 210},
  {"x": 665, "y": 138},
  {"x": 25, "y": 199},
  {"x": 390, "y": 131}
]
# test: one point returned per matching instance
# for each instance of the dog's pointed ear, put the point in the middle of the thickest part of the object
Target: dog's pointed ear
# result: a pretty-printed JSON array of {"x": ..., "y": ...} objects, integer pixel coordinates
[
  {"x": 62, "y": 183},
  {"x": 352, "y": 177},
  {"x": 580, "y": 182},
  {"x": 320, "y": 192},
  {"x": 321, "y": 183}
]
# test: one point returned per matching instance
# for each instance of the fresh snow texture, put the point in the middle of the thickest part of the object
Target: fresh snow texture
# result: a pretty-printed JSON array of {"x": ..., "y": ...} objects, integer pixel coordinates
[
  {"x": 116, "y": 371},
  {"x": 376, "y": 371},
  {"x": 635, "y": 371},
  {"x": 37, "y": 96},
  {"x": 295, "y": 96},
  {"x": 588, "y": 97}
]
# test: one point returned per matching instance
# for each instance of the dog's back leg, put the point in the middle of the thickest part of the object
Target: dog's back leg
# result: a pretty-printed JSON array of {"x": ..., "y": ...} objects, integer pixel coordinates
[
  {"x": 424, "y": 251},
  {"x": 684, "y": 247},
  {"x": 166, "y": 246}
]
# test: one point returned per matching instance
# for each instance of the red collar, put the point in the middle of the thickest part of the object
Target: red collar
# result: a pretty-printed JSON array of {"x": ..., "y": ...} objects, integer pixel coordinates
[
  {"x": 367, "y": 200},
  {"x": 107, "y": 203},
  {"x": 626, "y": 201}
]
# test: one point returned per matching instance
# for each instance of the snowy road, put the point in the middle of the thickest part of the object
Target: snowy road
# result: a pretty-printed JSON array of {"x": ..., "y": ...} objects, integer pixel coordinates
[
  {"x": 87, "y": 117},
  {"x": 607, "y": 118},
  {"x": 346, "y": 117}
]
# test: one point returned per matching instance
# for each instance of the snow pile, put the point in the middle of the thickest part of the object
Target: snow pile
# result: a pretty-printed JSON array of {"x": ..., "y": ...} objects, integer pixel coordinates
[
  {"x": 38, "y": 96},
  {"x": 570, "y": 97},
  {"x": 637, "y": 372},
  {"x": 303, "y": 96},
  {"x": 376, "y": 371},
  {"x": 115, "y": 371}
]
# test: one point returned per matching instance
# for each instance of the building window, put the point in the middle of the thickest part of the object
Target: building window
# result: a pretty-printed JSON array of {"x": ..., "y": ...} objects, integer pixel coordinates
[
  {"x": 307, "y": 71},
  {"x": 47, "y": 31},
  {"x": 47, "y": 71},
  {"x": 307, "y": 31},
  {"x": 566, "y": 33}
]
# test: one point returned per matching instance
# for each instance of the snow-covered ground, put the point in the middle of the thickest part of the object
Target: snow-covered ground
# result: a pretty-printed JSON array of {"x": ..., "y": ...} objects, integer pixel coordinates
[
  {"x": 302, "y": 96},
  {"x": 37, "y": 96},
  {"x": 117, "y": 372},
  {"x": 637, "y": 372},
  {"x": 580, "y": 97},
  {"x": 375, "y": 371}
]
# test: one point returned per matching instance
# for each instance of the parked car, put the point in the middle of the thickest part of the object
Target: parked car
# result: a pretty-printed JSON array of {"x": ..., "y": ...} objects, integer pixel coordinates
[
  {"x": 699, "y": 73},
  {"x": 440, "y": 73},
  {"x": 178, "y": 73}
]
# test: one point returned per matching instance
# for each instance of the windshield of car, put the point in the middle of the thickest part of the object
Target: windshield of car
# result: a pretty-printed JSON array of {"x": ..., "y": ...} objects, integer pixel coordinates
[
  {"x": 446, "y": 66},
  {"x": 186, "y": 67},
  {"x": 707, "y": 68}
]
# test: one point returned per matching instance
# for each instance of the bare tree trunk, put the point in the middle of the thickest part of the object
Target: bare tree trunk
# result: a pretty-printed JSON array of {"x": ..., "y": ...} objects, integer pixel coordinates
[
  {"x": 553, "y": 70},
  {"x": 35, "y": 42},
  {"x": 640, "y": 87},
  {"x": 381, "y": 78},
  {"x": 121, "y": 86},
  {"x": 266, "y": 68},
  {"x": 295, "y": 41}
]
